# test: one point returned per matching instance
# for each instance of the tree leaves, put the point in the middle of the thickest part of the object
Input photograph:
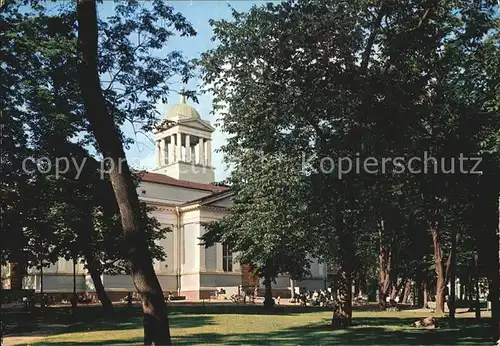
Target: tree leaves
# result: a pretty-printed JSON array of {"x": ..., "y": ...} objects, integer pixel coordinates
[{"x": 353, "y": 80}]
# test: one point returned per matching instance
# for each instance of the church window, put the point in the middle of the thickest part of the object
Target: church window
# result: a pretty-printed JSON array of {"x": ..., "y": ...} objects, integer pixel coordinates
[{"x": 227, "y": 258}]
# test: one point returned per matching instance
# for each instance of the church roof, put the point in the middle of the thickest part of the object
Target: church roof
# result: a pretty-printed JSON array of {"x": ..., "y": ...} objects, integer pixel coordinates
[
  {"x": 211, "y": 198},
  {"x": 166, "y": 180},
  {"x": 182, "y": 110}
]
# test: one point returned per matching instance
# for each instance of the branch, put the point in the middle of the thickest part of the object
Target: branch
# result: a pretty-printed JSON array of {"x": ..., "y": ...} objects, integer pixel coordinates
[
  {"x": 121, "y": 67},
  {"x": 448, "y": 266},
  {"x": 371, "y": 39},
  {"x": 423, "y": 18}
]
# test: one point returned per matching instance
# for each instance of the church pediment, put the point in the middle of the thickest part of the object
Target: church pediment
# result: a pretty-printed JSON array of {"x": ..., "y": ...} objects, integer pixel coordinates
[
  {"x": 223, "y": 202},
  {"x": 197, "y": 124}
]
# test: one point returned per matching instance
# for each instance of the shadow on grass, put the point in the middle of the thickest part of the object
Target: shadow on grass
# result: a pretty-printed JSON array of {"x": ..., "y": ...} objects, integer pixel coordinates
[
  {"x": 59, "y": 322},
  {"x": 124, "y": 323},
  {"x": 373, "y": 331},
  {"x": 90, "y": 313},
  {"x": 365, "y": 331},
  {"x": 133, "y": 341}
]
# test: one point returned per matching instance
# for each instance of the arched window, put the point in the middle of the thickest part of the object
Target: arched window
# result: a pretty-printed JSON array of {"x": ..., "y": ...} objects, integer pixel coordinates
[{"x": 227, "y": 258}]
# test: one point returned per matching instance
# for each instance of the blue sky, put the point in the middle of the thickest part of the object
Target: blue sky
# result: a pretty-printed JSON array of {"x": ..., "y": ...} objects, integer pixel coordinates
[{"x": 141, "y": 154}]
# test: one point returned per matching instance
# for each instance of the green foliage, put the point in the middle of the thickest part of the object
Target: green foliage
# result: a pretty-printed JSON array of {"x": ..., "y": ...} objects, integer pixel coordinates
[
  {"x": 360, "y": 79},
  {"x": 266, "y": 231},
  {"x": 46, "y": 215}
]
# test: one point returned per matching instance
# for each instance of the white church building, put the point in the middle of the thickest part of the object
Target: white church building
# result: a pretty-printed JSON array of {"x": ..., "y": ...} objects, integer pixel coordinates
[{"x": 180, "y": 189}]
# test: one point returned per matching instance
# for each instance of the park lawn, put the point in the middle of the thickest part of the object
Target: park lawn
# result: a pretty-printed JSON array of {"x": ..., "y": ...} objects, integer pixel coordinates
[{"x": 301, "y": 328}]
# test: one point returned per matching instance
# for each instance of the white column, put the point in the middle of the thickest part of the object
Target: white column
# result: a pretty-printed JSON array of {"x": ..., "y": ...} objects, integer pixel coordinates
[
  {"x": 162, "y": 152},
  {"x": 166, "y": 159},
  {"x": 219, "y": 257},
  {"x": 172, "y": 148},
  {"x": 158, "y": 153},
  {"x": 201, "y": 149},
  {"x": 188, "y": 149},
  {"x": 178, "y": 148},
  {"x": 181, "y": 253},
  {"x": 209, "y": 153}
]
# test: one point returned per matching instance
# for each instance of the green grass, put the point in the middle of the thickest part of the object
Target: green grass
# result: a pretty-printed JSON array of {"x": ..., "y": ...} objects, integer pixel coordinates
[{"x": 251, "y": 325}]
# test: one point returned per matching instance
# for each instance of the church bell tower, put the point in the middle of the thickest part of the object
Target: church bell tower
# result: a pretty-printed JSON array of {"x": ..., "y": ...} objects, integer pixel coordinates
[{"x": 184, "y": 147}]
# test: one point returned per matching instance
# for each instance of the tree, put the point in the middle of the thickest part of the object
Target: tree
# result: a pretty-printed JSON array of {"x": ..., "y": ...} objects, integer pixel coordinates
[
  {"x": 277, "y": 64},
  {"x": 304, "y": 77},
  {"x": 101, "y": 119},
  {"x": 25, "y": 209},
  {"x": 52, "y": 55},
  {"x": 278, "y": 243}
]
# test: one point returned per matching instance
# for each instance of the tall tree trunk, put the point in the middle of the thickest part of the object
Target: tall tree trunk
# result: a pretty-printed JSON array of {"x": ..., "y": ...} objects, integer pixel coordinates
[
  {"x": 385, "y": 262},
  {"x": 342, "y": 313},
  {"x": 406, "y": 292},
  {"x": 462, "y": 290},
  {"x": 425, "y": 296},
  {"x": 453, "y": 255},
  {"x": 489, "y": 193},
  {"x": 41, "y": 286},
  {"x": 156, "y": 325},
  {"x": 494, "y": 275},
  {"x": 93, "y": 268},
  {"x": 362, "y": 284},
  {"x": 478, "y": 303},
  {"x": 16, "y": 276},
  {"x": 85, "y": 231},
  {"x": 419, "y": 292},
  {"x": 440, "y": 294},
  {"x": 440, "y": 268},
  {"x": 74, "y": 300},
  {"x": 384, "y": 285},
  {"x": 470, "y": 290},
  {"x": 394, "y": 290},
  {"x": 268, "y": 294}
]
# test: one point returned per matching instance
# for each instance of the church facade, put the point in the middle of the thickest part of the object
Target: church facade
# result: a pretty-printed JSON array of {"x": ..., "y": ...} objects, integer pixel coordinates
[{"x": 180, "y": 189}]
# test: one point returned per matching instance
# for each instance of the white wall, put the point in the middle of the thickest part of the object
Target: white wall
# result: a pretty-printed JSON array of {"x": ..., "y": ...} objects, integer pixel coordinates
[
  {"x": 118, "y": 283},
  {"x": 168, "y": 193},
  {"x": 190, "y": 282},
  {"x": 213, "y": 254},
  {"x": 167, "y": 266},
  {"x": 54, "y": 282},
  {"x": 190, "y": 239},
  {"x": 227, "y": 281},
  {"x": 190, "y": 172},
  {"x": 211, "y": 259},
  {"x": 168, "y": 282}
]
